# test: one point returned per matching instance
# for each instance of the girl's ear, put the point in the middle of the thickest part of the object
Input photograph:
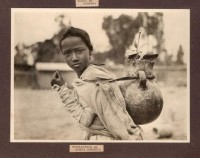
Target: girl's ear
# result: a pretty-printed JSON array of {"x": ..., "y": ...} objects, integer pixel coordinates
[{"x": 90, "y": 54}]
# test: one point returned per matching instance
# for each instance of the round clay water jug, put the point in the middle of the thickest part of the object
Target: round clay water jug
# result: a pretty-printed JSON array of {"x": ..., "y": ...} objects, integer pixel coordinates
[{"x": 143, "y": 97}]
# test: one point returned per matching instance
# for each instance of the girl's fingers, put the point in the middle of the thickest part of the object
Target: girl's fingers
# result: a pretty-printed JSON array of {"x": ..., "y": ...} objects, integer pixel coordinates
[
  {"x": 58, "y": 74},
  {"x": 54, "y": 75}
]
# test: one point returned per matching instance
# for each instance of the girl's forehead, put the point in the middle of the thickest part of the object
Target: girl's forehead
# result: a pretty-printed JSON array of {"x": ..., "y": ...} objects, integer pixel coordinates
[{"x": 72, "y": 41}]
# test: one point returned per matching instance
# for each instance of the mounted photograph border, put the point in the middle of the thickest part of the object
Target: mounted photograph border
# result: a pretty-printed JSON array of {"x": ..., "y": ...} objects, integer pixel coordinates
[{"x": 9, "y": 149}]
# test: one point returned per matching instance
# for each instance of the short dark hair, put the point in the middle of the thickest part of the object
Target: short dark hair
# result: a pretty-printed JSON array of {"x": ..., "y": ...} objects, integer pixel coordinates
[{"x": 72, "y": 31}]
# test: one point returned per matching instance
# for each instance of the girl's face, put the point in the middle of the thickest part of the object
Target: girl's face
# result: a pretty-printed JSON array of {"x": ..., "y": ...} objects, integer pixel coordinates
[{"x": 76, "y": 53}]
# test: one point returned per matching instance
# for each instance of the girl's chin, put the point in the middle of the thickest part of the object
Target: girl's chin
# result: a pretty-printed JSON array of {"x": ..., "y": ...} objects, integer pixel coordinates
[{"x": 79, "y": 70}]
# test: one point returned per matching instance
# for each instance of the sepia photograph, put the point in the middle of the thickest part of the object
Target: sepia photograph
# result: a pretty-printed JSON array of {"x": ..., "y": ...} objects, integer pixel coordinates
[{"x": 100, "y": 75}]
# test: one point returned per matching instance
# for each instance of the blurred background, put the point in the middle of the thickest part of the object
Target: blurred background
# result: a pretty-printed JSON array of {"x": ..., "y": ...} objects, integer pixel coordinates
[{"x": 38, "y": 113}]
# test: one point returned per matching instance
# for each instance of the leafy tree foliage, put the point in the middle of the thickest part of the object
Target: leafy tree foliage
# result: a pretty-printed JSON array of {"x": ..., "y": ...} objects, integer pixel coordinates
[{"x": 121, "y": 33}]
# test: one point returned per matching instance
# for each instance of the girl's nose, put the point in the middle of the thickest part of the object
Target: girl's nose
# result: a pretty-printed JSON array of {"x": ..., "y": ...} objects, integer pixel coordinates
[{"x": 74, "y": 57}]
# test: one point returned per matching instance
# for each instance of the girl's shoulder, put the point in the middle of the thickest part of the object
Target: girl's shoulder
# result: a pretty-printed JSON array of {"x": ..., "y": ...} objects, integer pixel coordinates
[{"x": 94, "y": 72}]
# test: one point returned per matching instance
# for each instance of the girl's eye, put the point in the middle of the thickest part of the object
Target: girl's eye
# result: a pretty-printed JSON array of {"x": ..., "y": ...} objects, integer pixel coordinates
[
  {"x": 67, "y": 53},
  {"x": 80, "y": 50}
]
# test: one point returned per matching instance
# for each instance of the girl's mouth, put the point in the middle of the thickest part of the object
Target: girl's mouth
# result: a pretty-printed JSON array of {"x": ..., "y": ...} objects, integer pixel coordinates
[{"x": 76, "y": 65}]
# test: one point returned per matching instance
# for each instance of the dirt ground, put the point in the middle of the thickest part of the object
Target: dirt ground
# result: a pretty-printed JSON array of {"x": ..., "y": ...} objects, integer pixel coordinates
[{"x": 40, "y": 115}]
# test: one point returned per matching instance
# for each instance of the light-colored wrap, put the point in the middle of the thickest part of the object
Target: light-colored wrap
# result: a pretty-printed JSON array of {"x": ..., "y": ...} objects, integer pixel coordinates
[{"x": 93, "y": 92}]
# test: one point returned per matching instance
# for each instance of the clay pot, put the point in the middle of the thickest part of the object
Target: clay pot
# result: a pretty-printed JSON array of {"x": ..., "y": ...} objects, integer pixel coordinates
[{"x": 143, "y": 97}]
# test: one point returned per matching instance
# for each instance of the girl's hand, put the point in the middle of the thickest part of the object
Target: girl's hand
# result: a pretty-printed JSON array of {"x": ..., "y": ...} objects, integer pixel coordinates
[{"x": 57, "y": 79}]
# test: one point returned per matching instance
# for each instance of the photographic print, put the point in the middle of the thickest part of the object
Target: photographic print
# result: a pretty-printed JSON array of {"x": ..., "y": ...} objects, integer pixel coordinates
[{"x": 100, "y": 75}]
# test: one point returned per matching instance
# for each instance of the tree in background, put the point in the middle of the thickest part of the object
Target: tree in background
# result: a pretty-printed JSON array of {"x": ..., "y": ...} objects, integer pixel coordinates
[
  {"x": 121, "y": 33},
  {"x": 49, "y": 49},
  {"x": 179, "y": 60},
  {"x": 46, "y": 51}
]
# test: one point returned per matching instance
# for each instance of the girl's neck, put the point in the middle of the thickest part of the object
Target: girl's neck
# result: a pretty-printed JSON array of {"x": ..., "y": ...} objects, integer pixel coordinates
[{"x": 80, "y": 73}]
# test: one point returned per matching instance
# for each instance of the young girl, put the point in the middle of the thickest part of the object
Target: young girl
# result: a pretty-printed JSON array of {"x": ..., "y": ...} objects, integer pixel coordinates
[{"x": 94, "y": 102}]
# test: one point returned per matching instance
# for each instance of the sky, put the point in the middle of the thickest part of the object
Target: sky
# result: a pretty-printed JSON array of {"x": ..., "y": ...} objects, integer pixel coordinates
[{"x": 32, "y": 25}]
